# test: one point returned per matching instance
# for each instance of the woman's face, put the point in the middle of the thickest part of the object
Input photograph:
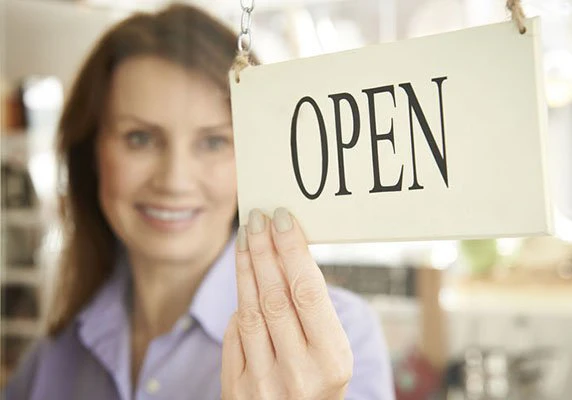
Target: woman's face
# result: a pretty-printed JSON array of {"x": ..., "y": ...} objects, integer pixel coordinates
[{"x": 165, "y": 159}]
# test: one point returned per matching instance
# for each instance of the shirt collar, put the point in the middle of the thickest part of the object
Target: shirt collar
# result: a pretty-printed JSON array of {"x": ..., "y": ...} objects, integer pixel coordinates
[
  {"x": 103, "y": 325},
  {"x": 213, "y": 304},
  {"x": 106, "y": 313},
  {"x": 216, "y": 298}
]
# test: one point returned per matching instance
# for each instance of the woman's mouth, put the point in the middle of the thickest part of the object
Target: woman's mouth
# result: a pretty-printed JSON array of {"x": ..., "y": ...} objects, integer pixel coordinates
[
  {"x": 169, "y": 219},
  {"x": 168, "y": 215}
]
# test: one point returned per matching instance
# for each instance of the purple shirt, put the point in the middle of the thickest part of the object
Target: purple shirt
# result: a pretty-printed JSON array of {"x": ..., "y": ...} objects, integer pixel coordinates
[{"x": 90, "y": 360}]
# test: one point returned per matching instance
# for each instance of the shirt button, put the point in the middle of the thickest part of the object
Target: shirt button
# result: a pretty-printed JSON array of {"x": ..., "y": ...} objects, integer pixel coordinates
[
  {"x": 186, "y": 323},
  {"x": 153, "y": 386}
]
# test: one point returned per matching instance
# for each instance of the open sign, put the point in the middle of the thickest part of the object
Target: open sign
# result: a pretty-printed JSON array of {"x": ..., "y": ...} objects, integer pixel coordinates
[{"x": 429, "y": 138}]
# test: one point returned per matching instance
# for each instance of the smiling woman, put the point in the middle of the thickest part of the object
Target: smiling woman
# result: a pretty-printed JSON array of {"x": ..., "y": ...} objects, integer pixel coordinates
[
  {"x": 149, "y": 302},
  {"x": 167, "y": 181}
]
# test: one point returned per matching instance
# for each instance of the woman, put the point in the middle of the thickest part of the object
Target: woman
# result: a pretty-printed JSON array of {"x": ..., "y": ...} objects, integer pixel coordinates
[{"x": 149, "y": 305}]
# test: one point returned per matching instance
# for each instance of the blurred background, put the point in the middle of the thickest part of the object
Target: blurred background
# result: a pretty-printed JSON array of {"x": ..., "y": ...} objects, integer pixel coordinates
[{"x": 473, "y": 320}]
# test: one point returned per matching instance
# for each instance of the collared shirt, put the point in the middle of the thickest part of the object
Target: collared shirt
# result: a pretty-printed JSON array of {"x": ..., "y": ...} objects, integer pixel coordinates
[{"x": 91, "y": 359}]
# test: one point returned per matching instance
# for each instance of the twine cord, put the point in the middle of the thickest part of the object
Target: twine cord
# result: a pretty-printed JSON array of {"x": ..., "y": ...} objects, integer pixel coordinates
[
  {"x": 515, "y": 8},
  {"x": 241, "y": 61}
]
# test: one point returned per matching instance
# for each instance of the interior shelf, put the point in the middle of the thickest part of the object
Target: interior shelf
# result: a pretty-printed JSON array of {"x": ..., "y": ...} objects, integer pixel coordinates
[
  {"x": 21, "y": 327},
  {"x": 21, "y": 274}
]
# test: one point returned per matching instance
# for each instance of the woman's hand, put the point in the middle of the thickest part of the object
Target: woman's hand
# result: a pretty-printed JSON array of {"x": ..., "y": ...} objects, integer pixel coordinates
[{"x": 285, "y": 341}]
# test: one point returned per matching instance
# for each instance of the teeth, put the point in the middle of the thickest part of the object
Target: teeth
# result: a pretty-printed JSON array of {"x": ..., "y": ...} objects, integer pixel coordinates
[{"x": 168, "y": 215}]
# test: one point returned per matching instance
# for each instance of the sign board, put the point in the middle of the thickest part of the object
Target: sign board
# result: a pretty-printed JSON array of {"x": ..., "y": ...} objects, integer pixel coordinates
[{"x": 440, "y": 137}]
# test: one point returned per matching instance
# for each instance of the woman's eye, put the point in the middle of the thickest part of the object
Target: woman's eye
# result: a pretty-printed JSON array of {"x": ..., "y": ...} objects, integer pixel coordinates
[
  {"x": 214, "y": 143},
  {"x": 138, "y": 139}
]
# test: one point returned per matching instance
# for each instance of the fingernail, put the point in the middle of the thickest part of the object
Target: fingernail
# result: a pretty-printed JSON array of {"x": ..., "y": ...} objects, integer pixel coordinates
[
  {"x": 255, "y": 221},
  {"x": 242, "y": 240},
  {"x": 282, "y": 220}
]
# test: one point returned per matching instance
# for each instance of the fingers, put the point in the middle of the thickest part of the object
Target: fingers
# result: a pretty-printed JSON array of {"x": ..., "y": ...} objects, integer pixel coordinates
[
  {"x": 274, "y": 293},
  {"x": 233, "y": 362},
  {"x": 256, "y": 342},
  {"x": 308, "y": 289},
  {"x": 286, "y": 338}
]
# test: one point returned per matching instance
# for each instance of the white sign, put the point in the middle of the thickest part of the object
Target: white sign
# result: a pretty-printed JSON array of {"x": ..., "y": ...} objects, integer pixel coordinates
[{"x": 430, "y": 138}]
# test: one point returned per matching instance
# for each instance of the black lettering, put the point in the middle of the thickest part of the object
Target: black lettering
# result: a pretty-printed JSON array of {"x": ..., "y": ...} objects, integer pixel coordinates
[
  {"x": 375, "y": 137},
  {"x": 294, "y": 147},
  {"x": 414, "y": 106},
  {"x": 337, "y": 98}
]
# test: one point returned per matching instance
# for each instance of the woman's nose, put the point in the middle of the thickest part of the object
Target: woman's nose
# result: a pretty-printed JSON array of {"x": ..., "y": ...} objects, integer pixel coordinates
[{"x": 176, "y": 171}]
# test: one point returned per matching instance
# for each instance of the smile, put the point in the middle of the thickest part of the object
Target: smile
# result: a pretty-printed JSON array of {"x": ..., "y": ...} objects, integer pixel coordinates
[{"x": 167, "y": 215}]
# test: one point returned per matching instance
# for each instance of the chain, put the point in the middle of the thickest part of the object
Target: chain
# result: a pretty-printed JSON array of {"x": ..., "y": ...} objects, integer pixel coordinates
[{"x": 245, "y": 35}]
